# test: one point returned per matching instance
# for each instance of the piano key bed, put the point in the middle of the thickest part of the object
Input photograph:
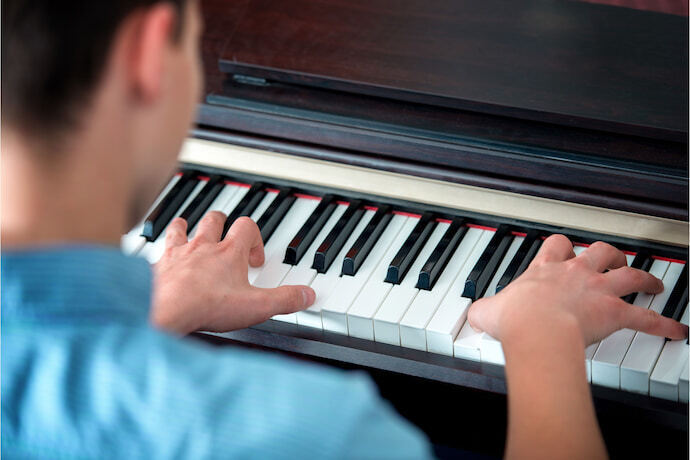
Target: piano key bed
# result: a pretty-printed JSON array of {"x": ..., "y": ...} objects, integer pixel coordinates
[{"x": 394, "y": 281}]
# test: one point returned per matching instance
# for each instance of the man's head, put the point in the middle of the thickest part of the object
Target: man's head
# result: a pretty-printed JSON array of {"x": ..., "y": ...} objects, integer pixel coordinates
[{"x": 128, "y": 69}]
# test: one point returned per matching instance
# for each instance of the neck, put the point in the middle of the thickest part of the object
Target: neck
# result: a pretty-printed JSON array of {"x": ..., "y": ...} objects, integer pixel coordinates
[{"x": 77, "y": 196}]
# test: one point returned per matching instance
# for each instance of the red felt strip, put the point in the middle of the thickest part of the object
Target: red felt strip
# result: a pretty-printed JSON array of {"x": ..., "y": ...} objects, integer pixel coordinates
[
  {"x": 237, "y": 184},
  {"x": 668, "y": 259},
  {"x": 482, "y": 227},
  {"x": 308, "y": 197},
  {"x": 408, "y": 214}
]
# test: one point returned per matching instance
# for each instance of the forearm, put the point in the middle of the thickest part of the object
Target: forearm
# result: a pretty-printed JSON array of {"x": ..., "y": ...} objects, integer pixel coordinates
[{"x": 550, "y": 408}]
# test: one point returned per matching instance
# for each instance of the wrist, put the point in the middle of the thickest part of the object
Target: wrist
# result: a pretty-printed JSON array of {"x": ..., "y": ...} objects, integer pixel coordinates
[
  {"x": 167, "y": 313},
  {"x": 523, "y": 332}
]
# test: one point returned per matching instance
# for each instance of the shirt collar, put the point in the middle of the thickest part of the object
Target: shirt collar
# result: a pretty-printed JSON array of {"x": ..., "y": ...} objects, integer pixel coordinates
[{"x": 93, "y": 282}]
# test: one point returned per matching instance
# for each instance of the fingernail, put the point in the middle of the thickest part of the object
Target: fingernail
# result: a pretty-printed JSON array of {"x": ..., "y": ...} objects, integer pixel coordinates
[{"x": 308, "y": 296}]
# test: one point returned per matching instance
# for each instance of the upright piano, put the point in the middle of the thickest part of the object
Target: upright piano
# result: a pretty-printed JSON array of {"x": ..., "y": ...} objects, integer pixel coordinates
[{"x": 406, "y": 158}]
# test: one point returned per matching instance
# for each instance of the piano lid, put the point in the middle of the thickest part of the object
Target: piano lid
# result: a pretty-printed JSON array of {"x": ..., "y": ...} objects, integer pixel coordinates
[{"x": 563, "y": 62}]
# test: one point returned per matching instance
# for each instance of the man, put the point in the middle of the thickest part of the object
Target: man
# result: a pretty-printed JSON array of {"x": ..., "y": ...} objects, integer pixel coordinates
[{"x": 97, "y": 98}]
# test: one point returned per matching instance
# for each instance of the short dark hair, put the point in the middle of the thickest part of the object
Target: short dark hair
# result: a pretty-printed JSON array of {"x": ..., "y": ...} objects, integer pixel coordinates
[{"x": 54, "y": 53}]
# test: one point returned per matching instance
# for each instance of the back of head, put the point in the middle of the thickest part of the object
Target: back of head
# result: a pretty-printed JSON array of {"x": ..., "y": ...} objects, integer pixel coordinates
[{"x": 53, "y": 54}]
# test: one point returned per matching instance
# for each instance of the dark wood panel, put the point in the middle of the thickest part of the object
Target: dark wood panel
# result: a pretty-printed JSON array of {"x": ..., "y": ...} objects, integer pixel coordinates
[
  {"x": 629, "y": 189},
  {"x": 314, "y": 343},
  {"x": 660, "y": 165},
  {"x": 627, "y": 431},
  {"x": 564, "y": 62},
  {"x": 450, "y": 124}
]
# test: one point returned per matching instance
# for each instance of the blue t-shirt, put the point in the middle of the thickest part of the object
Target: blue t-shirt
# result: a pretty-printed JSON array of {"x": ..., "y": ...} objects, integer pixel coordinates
[{"x": 85, "y": 376}]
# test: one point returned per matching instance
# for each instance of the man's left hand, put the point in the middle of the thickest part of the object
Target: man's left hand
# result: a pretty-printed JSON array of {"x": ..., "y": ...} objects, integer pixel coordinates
[{"x": 202, "y": 284}]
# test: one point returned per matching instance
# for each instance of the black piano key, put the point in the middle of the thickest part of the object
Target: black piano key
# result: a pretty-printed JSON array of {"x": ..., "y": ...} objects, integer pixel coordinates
[
  {"x": 273, "y": 215},
  {"x": 679, "y": 297},
  {"x": 305, "y": 236},
  {"x": 360, "y": 249},
  {"x": 193, "y": 212},
  {"x": 677, "y": 314},
  {"x": 246, "y": 206},
  {"x": 334, "y": 241},
  {"x": 408, "y": 252},
  {"x": 642, "y": 261},
  {"x": 485, "y": 268},
  {"x": 439, "y": 258},
  {"x": 161, "y": 216},
  {"x": 523, "y": 257}
]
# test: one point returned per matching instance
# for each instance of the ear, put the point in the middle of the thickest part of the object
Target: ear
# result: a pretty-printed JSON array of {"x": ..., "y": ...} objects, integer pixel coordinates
[{"x": 151, "y": 39}]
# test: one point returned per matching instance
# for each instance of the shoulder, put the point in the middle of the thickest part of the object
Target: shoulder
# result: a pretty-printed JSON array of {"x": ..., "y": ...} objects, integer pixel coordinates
[{"x": 142, "y": 390}]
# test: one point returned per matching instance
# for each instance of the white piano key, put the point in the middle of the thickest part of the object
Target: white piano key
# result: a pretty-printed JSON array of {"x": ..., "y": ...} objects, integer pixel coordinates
[
  {"x": 234, "y": 200},
  {"x": 394, "y": 306},
  {"x": 609, "y": 356},
  {"x": 334, "y": 310},
  {"x": 645, "y": 349},
  {"x": 579, "y": 249},
  {"x": 592, "y": 348},
  {"x": 510, "y": 253},
  {"x": 154, "y": 251},
  {"x": 324, "y": 283},
  {"x": 451, "y": 314},
  {"x": 263, "y": 205},
  {"x": 132, "y": 241},
  {"x": 219, "y": 204},
  {"x": 272, "y": 272},
  {"x": 360, "y": 316},
  {"x": 590, "y": 351},
  {"x": 629, "y": 259},
  {"x": 445, "y": 325},
  {"x": 302, "y": 273},
  {"x": 224, "y": 197},
  {"x": 414, "y": 323},
  {"x": 252, "y": 272},
  {"x": 665, "y": 377},
  {"x": 683, "y": 384},
  {"x": 468, "y": 341},
  {"x": 490, "y": 349}
]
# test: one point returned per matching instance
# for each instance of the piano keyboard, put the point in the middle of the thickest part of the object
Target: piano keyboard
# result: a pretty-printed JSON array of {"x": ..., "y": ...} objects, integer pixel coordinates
[{"x": 406, "y": 275}]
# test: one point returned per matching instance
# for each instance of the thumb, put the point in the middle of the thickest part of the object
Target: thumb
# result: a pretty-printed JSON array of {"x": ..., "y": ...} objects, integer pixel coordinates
[
  {"x": 475, "y": 316},
  {"x": 289, "y": 299}
]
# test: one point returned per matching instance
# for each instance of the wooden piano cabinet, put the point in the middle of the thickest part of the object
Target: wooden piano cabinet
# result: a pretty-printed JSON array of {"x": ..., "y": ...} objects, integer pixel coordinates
[
  {"x": 574, "y": 113},
  {"x": 566, "y": 62},
  {"x": 625, "y": 166}
]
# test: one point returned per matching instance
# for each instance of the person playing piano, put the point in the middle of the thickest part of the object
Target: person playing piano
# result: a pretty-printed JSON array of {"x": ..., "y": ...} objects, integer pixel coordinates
[{"x": 97, "y": 99}]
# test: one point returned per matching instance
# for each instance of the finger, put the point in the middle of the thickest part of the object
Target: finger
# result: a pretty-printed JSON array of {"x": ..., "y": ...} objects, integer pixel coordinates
[
  {"x": 176, "y": 233},
  {"x": 625, "y": 280},
  {"x": 210, "y": 227},
  {"x": 651, "y": 322},
  {"x": 601, "y": 256},
  {"x": 555, "y": 248},
  {"x": 288, "y": 299},
  {"x": 476, "y": 316},
  {"x": 245, "y": 235}
]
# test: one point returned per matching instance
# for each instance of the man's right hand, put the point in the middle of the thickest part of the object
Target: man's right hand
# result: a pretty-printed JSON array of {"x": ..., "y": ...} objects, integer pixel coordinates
[
  {"x": 544, "y": 320},
  {"x": 559, "y": 288}
]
